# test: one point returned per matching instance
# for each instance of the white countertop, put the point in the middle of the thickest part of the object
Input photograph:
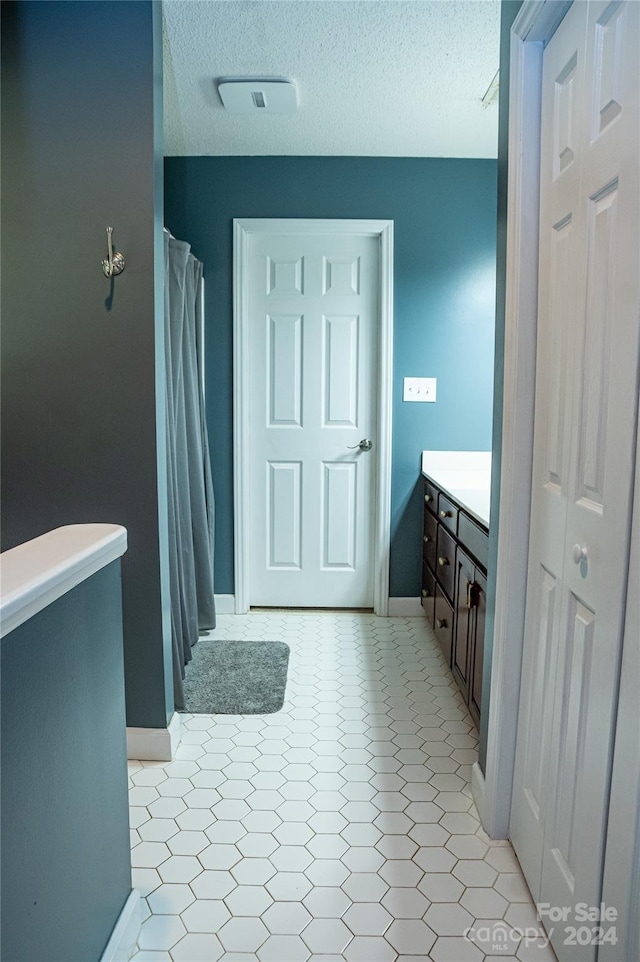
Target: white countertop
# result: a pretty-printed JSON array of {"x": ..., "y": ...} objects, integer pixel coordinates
[
  {"x": 465, "y": 476},
  {"x": 36, "y": 573}
]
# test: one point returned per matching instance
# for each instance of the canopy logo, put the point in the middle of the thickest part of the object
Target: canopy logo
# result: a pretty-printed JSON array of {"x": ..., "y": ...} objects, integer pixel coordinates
[{"x": 500, "y": 938}]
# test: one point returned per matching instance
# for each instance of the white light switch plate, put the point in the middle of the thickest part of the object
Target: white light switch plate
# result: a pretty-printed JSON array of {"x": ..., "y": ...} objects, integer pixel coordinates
[{"x": 419, "y": 389}]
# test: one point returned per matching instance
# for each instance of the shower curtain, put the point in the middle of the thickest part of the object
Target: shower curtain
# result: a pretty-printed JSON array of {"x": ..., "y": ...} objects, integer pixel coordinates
[{"x": 190, "y": 490}]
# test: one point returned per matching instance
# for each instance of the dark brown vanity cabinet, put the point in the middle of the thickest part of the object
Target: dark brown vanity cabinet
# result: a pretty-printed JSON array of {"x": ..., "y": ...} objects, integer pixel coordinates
[{"x": 454, "y": 586}]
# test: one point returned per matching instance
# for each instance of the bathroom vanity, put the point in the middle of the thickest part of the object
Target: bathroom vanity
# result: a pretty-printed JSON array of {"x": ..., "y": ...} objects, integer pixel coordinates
[{"x": 455, "y": 544}]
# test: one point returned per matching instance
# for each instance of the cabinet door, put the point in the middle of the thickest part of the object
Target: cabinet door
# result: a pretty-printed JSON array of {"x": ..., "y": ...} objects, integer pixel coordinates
[
  {"x": 443, "y": 623},
  {"x": 464, "y": 622},
  {"x": 477, "y": 646},
  {"x": 428, "y": 593}
]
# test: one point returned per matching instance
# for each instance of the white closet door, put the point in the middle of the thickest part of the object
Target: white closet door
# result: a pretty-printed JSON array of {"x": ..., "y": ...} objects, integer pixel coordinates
[
  {"x": 586, "y": 393},
  {"x": 559, "y": 300}
]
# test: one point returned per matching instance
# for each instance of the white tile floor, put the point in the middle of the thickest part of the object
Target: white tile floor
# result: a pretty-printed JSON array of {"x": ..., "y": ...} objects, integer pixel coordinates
[{"x": 339, "y": 828}]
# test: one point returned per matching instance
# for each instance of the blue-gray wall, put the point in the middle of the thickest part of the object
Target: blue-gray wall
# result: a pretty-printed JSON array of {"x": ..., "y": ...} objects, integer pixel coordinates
[
  {"x": 445, "y": 236},
  {"x": 509, "y": 11},
  {"x": 66, "y": 865},
  {"x": 82, "y": 426}
]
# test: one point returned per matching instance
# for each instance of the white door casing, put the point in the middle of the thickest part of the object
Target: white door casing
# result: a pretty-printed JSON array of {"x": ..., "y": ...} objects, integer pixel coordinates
[
  {"x": 534, "y": 26},
  {"x": 584, "y": 450},
  {"x": 312, "y": 343},
  {"x": 621, "y": 884}
]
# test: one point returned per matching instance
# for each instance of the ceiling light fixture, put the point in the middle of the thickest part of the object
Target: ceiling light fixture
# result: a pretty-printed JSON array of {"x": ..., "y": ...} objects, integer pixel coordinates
[{"x": 265, "y": 95}]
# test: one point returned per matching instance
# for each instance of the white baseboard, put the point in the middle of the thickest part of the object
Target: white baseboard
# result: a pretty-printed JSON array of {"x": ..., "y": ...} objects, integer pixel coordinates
[
  {"x": 405, "y": 608},
  {"x": 398, "y": 607},
  {"x": 225, "y": 604},
  {"x": 122, "y": 943},
  {"x": 154, "y": 744}
]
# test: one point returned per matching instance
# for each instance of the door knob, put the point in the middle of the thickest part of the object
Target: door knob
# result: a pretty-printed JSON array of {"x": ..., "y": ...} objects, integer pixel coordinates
[
  {"x": 580, "y": 554},
  {"x": 364, "y": 445}
]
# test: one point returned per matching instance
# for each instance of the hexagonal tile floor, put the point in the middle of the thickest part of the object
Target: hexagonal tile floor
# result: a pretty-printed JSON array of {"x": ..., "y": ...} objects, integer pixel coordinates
[{"x": 341, "y": 827}]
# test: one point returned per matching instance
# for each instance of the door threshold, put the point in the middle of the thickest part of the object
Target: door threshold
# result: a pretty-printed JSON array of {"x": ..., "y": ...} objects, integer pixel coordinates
[{"x": 328, "y": 610}]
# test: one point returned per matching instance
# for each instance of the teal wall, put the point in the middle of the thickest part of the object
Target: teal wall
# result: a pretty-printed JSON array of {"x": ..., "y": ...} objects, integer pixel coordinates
[
  {"x": 82, "y": 414},
  {"x": 66, "y": 862},
  {"x": 445, "y": 242}
]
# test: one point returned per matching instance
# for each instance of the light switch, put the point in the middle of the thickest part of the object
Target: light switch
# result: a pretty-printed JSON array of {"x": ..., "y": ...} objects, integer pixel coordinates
[{"x": 419, "y": 389}]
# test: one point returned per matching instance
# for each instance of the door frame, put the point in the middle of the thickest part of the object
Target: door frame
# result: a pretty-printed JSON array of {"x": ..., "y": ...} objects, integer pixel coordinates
[
  {"x": 243, "y": 228},
  {"x": 532, "y": 29}
]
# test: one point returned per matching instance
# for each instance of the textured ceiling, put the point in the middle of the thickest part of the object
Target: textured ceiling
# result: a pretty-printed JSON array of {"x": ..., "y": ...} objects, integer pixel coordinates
[{"x": 375, "y": 78}]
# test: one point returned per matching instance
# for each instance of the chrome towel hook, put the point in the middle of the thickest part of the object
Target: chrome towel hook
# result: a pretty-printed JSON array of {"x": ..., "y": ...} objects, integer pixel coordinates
[{"x": 114, "y": 261}]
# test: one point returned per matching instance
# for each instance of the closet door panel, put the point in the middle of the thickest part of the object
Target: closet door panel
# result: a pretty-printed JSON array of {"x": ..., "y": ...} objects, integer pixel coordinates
[
  {"x": 559, "y": 300},
  {"x": 605, "y": 340},
  {"x": 584, "y": 449}
]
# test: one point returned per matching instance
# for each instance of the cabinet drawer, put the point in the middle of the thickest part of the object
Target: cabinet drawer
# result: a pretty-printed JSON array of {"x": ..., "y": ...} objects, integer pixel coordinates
[
  {"x": 443, "y": 624},
  {"x": 429, "y": 534},
  {"x": 431, "y": 497},
  {"x": 428, "y": 593},
  {"x": 448, "y": 513},
  {"x": 445, "y": 563},
  {"x": 474, "y": 538}
]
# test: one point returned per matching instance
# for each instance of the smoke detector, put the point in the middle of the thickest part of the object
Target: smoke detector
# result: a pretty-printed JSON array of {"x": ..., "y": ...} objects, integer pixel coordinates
[{"x": 258, "y": 95}]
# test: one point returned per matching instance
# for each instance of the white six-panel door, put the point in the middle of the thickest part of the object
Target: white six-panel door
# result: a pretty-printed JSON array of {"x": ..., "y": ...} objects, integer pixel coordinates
[
  {"x": 312, "y": 315},
  {"x": 585, "y": 428}
]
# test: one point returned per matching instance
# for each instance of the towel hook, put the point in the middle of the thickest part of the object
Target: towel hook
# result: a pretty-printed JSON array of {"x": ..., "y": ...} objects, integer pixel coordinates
[{"x": 114, "y": 261}]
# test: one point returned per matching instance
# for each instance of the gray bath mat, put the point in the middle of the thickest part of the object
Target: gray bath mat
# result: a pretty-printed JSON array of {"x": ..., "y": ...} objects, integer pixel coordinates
[{"x": 236, "y": 677}]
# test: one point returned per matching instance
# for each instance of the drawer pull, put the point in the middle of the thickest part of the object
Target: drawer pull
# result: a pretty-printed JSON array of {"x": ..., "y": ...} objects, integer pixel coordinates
[
  {"x": 443, "y": 562},
  {"x": 426, "y": 538},
  {"x": 441, "y": 623},
  {"x": 425, "y": 593},
  {"x": 473, "y": 594},
  {"x": 428, "y": 498},
  {"x": 446, "y": 514}
]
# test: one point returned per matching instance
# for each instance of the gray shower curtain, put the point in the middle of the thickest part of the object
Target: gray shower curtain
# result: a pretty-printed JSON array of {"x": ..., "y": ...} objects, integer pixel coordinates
[{"x": 190, "y": 490}]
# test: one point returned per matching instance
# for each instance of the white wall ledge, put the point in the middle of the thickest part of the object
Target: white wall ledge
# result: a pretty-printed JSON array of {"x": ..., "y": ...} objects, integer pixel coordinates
[{"x": 36, "y": 573}]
